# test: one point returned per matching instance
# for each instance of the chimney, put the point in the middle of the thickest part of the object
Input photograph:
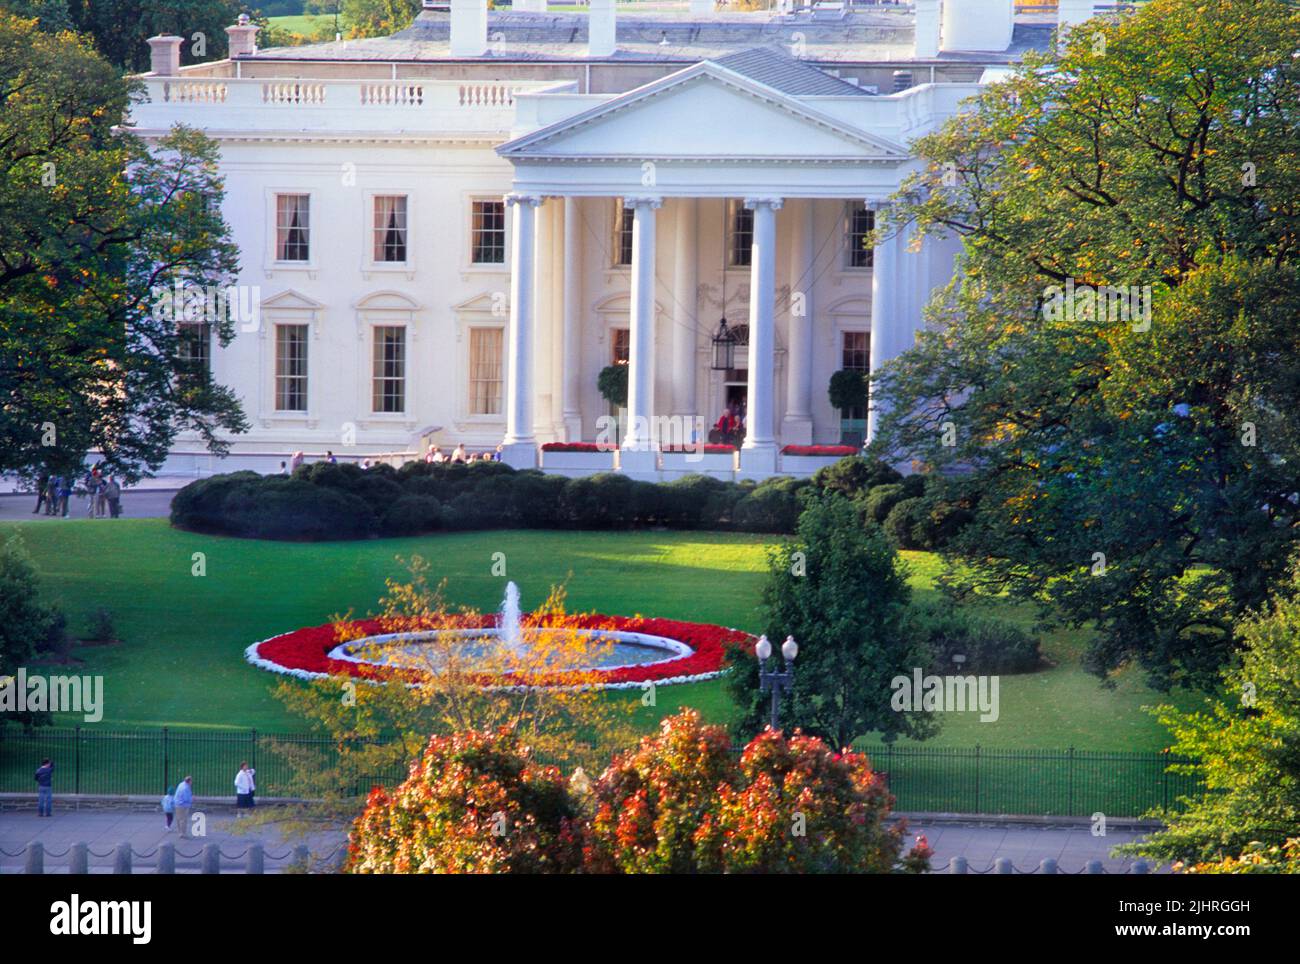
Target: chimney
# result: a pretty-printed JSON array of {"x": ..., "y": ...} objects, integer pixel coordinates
[
  {"x": 243, "y": 37},
  {"x": 1071, "y": 12},
  {"x": 468, "y": 28},
  {"x": 601, "y": 29},
  {"x": 927, "y": 30},
  {"x": 165, "y": 55}
]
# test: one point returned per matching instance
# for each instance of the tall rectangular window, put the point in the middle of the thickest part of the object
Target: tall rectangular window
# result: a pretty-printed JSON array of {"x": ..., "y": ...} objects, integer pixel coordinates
[
  {"x": 388, "y": 393},
  {"x": 390, "y": 229},
  {"x": 740, "y": 244},
  {"x": 194, "y": 354},
  {"x": 488, "y": 232},
  {"x": 621, "y": 346},
  {"x": 856, "y": 355},
  {"x": 623, "y": 221},
  {"x": 292, "y": 227},
  {"x": 291, "y": 368},
  {"x": 486, "y": 377},
  {"x": 859, "y": 222}
]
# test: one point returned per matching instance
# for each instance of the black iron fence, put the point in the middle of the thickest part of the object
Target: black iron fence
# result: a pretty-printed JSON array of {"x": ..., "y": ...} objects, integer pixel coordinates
[{"x": 91, "y": 760}]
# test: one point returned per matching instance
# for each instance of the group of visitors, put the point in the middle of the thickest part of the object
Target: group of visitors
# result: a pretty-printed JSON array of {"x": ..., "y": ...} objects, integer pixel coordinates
[
  {"x": 729, "y": 429},
  {"x": 436, "y": 456},
  {"x": 177, "y": 803},
  {"x": 103, "y": 494}
]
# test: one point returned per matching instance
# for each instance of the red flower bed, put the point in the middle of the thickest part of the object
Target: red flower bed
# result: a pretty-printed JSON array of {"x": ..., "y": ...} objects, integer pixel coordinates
[
  {"x": 305, "y": 652},
  {"x": 839, "y": 451},
  {"x": 579, "y": 447}
]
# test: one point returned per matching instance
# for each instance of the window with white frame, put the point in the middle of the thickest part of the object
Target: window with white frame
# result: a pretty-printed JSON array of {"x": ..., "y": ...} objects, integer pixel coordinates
[
  {"x": 859, "y": 222},
  {"x": 292, "y": 227},
  {"x": 291, "y": 368},
  {"x": 740, "y": 235},
  {"x": 388, "y": 379},
  {"x": 856, "y": 355},
  {"x": 194, "y": 354},
  {"x": 390, "y": 229},
  {"x": 620, "y": 340},
  {"x": 623, "y": 221},
  {"x": 488, "y": 232},
  {"x": 486, "y": 370}
]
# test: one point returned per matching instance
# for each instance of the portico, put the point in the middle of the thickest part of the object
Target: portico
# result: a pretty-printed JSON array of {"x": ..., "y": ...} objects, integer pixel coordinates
[{"x": 773, "y": 153}]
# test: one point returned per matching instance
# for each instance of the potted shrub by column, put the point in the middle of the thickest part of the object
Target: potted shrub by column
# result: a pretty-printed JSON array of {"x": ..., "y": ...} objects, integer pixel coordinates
[
  {"x": 848, "y": 392},
  {"x": 612, "y": 385}
]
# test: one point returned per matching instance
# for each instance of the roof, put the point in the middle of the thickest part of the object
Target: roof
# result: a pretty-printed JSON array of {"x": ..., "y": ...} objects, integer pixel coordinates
[{"x": 777, "y": 69}]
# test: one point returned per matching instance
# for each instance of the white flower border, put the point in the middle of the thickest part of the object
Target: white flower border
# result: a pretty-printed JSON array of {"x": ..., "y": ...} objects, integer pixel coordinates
[{"x": 253, "y": 655}]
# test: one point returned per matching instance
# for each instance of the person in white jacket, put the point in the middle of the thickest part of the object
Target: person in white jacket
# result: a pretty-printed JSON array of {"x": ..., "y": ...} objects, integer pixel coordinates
[{"x": 244, "y": 787}]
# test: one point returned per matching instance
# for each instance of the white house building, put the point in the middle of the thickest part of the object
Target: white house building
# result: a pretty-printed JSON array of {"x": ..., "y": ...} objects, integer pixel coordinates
[{"x": 448, "y": 233}]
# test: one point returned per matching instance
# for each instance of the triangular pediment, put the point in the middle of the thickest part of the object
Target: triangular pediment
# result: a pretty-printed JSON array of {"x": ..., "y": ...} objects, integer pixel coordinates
[
  {"x": 386, "y": 301},
  {"x": 489, "y": 302},
  {"x": 292, "y": 300},
  {"x": 705, "y": 111}
]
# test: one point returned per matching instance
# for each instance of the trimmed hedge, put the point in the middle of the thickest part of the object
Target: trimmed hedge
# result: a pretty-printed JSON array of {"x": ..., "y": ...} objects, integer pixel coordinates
[
  {"x": 989, "y": 645},
  {"x": 343, "y": 501}
]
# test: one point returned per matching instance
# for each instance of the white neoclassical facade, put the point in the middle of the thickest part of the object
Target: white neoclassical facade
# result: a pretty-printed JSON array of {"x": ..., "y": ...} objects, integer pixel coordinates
[{"x": 448, "y": 233}]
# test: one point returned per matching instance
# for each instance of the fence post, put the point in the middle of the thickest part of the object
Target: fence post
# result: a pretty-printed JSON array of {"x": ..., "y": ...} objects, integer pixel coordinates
[
  {"x": 957, "y": 865},
  {"x": 977, "y": 779},
  {"x": 256, "y": 863},
  {"x": 1005, "y": 866},
  {"x": 253, "y": 756},
  {"x": 79, "y": 859},
  {"x": 122, "y": 859},
  {"x": 1070, "y": 796},
  {"x": 167, "y": 858},
  {"x": 76, "y": 761},
  {"x": 301, "y": 859},
  {"x": 1048, "y": 865},
  {"x": 211, "y": 859},
  {"x": 1094, "y": 867},
  {"x": 1164, "y": 760},
  {"x": 1140, "y": 867},
  {"x": 35, "y": 858},
  {"x": 166, "y": 762}
]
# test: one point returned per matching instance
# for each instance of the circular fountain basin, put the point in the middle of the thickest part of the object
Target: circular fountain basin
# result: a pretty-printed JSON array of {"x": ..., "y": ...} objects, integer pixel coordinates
[{"x": 615, "y": 649}]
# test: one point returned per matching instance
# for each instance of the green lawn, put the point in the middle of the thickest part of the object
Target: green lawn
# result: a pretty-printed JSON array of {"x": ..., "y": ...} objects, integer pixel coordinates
[
  {"x": 305, "y": 24},
  {"x": 182, "y": 659}
]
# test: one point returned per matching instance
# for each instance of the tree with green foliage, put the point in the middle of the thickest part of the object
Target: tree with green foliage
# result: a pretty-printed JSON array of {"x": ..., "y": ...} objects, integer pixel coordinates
[
  {"x": 841, "y": 591},
  {"x": 1112, "y": 375},
  {"x": 1247, "y": 747},
  {"x": 378, "y": 18},
  {"x": 25, "y": 621},
  {"x": 95, "y": 225}
]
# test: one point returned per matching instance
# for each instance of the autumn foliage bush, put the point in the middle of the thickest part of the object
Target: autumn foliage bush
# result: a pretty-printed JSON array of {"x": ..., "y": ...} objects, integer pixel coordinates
[
  {"x": 474, "y": 803},
  {"x": 681, "y": 802}
]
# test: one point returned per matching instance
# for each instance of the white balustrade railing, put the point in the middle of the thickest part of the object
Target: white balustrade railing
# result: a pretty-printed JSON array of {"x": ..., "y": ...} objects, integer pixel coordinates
[{"x": 393, "y": 94}]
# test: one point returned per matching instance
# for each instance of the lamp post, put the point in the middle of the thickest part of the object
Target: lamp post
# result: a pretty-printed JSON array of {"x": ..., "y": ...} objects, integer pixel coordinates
[{"x": 776, "y": 681}]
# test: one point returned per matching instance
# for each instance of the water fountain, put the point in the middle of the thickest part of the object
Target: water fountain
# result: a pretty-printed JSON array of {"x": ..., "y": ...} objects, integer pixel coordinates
[{"x": 509, "y": 626}]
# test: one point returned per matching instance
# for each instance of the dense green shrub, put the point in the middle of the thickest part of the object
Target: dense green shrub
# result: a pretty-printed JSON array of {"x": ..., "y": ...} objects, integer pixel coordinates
[
  {"x": 989, "y": 645},
  {"x": 600, "y": 501},
  {"x": 539, "y": 500},
  {"x": 685, "y": 501},
  {"x": 293, "y": 508},
  {"x": 773, "y": 506},
  {"x": 411, "y": 515},
  {"x": 901, "y": 523},
  {"x": 854, "y": 474},
  {"x": 878, "y": 502}
]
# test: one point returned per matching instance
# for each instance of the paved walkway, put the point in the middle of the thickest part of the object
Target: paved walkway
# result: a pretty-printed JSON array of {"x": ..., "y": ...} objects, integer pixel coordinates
[
  {"x": 982, "y": 843},
  {"x": 136, "y": 504},
  {"x": 979, "y": 842},
  {"x": 103, "y": 830}
]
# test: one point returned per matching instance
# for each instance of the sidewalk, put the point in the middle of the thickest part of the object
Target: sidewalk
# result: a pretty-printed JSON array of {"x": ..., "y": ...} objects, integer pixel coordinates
[
  {"x": 980, "y": 842},
  {"x": 137, "y": 503},
  {"x": 104, "y": 830}
]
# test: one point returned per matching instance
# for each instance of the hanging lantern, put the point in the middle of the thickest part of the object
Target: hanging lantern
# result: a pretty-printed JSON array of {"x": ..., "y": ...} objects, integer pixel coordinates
[{"x": 724, "y": 347}]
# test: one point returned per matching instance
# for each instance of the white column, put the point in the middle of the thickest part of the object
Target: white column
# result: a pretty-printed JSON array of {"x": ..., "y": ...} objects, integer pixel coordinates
[
  {"x": 758, "y": 455},
  {"x": 686, "y": 270},
  {"x": 571, "y": 404},
  {"x": 885, "y": 323},
  {"x": 796, "y": 427},
  {"x": 520, "y": 444},
  {"x": 640, "y": 454}
]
